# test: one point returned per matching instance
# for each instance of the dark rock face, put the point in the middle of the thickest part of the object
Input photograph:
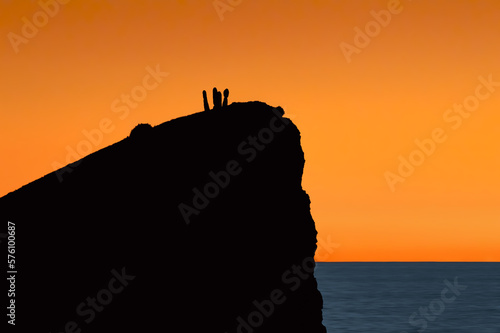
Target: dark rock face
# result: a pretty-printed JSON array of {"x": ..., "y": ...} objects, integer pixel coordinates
[{"x": 202, "y": 226}]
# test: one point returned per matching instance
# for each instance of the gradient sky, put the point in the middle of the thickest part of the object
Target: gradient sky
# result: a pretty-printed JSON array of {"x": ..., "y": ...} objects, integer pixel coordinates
[{"x": 359, "y": 111}]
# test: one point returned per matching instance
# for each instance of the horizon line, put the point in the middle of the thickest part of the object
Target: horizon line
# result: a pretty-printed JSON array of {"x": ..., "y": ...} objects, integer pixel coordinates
[{"x": 402, "y": 261}]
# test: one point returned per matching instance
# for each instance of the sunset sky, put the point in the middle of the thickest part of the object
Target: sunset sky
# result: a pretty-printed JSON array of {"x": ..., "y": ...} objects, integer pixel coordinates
[{"x": 398, "y": 103}]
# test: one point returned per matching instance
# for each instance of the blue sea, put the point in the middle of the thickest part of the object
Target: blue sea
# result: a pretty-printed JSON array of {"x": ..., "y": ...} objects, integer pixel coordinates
[{"x": 404, "y": 297}]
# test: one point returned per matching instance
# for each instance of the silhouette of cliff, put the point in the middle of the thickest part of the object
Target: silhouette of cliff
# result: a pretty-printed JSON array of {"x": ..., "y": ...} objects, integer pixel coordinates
[{"x": 129, "y": 228}]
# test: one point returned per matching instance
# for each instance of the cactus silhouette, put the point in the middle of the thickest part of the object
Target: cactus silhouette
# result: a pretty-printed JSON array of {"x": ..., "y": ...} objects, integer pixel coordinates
[
  {"x": 226, "y": 95},
  {"x": 215, "y": 97},
  {"x": 205, "y": 101}
]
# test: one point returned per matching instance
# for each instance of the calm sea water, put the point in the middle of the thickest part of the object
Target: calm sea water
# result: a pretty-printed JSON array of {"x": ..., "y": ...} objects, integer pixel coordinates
[{"x": 410, "y": 297}]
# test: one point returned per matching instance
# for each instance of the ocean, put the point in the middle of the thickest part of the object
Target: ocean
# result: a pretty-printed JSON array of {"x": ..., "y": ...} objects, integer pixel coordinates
[{"x": 407, "y": 297}]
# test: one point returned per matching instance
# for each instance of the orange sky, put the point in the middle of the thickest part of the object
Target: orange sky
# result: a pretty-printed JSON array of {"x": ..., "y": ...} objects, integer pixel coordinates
[{"x": 359, "y": 102}]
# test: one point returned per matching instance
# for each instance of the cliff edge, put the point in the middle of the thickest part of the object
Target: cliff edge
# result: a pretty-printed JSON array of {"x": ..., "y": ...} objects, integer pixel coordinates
[{"x": 199, "y": 224}]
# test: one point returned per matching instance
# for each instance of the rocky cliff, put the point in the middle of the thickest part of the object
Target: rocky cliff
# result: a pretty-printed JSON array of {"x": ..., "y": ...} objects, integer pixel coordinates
[{"x": 199, "y": 224}]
